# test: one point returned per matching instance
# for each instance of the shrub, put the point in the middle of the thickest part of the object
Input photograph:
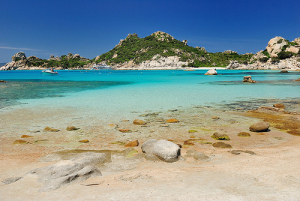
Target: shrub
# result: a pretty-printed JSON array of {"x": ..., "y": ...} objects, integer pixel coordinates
[{"x": 284, "y": 55}]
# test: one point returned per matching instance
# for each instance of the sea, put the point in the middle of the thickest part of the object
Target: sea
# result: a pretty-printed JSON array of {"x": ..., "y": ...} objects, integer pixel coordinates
[{"x": 119, "y": 93}]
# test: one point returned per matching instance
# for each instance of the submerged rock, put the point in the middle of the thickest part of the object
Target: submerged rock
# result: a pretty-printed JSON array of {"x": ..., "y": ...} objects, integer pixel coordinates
[
  {"x": 20, "y": 142},
  {"x": 260, "y": 127},
  {"x": 172, "y": 120},
  {"x": 71, "y": 128},
  {"x": 244, "y": 134},
  {"x": 218, "y": 136},
  {"x": 50, "y": 129},
  {"x": 125, "y": 130},
  {"x": 221, "y": 145},
  {"x": 26, "y": 136},
  {"x": 132, "y": 144},
  {"x": 84, "y": 141},
  {"x": 238, "y": 152},
  {"x": 139, "y": 122},
  {"x": 279, "y": 105},
  {"x": 165, "y": 150}
]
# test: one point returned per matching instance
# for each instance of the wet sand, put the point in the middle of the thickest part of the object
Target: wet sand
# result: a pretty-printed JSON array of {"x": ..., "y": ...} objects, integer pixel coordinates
[{"x": 272, "y": 173}]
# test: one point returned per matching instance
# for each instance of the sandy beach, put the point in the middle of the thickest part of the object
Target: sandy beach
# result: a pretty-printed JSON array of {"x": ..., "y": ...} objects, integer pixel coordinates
[{"x": 264, "y": 166}]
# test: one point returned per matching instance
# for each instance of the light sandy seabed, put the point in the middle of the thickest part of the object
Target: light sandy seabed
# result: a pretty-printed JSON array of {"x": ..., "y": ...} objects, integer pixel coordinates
[{"x": 272, "y": 174}]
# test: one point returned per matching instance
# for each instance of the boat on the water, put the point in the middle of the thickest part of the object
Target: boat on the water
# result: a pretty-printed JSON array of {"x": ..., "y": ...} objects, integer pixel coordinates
[
  {"x": 101, "y": 67},
  {"x": 50, "y": 72}
]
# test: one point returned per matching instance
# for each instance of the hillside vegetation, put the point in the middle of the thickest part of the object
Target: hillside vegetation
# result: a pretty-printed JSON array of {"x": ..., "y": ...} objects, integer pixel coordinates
[{"x": 138, "y": 50}]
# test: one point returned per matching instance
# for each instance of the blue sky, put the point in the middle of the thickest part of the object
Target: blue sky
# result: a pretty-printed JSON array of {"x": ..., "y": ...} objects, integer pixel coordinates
[{"x": 93, "y": 27}]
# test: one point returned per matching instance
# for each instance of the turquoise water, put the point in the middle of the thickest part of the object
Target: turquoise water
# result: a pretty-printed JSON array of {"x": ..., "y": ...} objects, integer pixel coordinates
[{"x": 115, "y": 92}]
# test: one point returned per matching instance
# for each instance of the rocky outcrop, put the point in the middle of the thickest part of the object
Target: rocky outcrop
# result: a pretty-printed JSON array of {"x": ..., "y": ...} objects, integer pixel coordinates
[
  {"x": 275, "y": 46},
  {"x": 163, "y": 149},
  {"x": 201, "y": 49},
  {"x": 18, "y": 56},
  {"x": 292, "y": 63},
  {"x": 229, "y": 52},
  {"x": 158, "y": 61},
  {"x": 248, "y": 79},
  {"x": 19, "y": 60},
  {"x": 162, "y": 36},
  {"x": 274, "y": 57}
]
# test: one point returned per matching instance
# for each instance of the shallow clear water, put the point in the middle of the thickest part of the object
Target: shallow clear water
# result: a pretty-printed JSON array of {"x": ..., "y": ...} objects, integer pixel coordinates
[{"x": 118, "y": 92}]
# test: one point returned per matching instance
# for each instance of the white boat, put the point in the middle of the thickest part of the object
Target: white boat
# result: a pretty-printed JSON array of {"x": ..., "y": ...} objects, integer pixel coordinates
[
  {"x": 50, "y": 72},
  {"x": 101, "y": 67}
]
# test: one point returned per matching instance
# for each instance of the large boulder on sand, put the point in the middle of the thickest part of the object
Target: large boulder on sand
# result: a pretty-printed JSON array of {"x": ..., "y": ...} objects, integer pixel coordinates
[
  {"x": 211, "y": 72},
  {"x": 163, "y": 149},
  {"x": 260, "y": 127}
]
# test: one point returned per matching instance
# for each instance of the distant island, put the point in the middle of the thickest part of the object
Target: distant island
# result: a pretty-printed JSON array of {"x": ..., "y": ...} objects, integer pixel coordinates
[{"x": 162, "y": 51}]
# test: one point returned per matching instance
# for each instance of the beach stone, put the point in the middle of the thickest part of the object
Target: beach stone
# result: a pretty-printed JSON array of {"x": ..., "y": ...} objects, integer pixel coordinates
[
  {"x": 211, "y": 72},
  {"x": 71, "y": 128},
  {"x": 238, "y": 152},
  {"x": 172, "y": 120},
  {"x": 84, "y": 141},
  {"x": 218, "y": 136},
  {"x": 298, "y": 80},
  {"x": 165, "y": 150},
  {"x": 221, "y": 145},
  {"x": 188, "y": 142},
  {"x": 20, "y": 142},
  {"x": 190, "y": 153},
  {"x": 139, "y": 122},
  {"x": 50, "y": 129},
  {"x": 260, "y": 127},
  {"x": 134, "y": 143},
  {"x": 130, "y": 152},
  {"x": 192, "y": 131},
  {"x": 215, "y": 117},
  {"x": 125, "y": 130},
  {"x": 244, "y": 134},
  {"x": 279, "y": 105},
  {"x": 284, "y": 71},
  {"x": 248, "y": 79},
  {"x": 26, "y": 136},
  {"x": 200, "y": 156},
  {"x": 68, "y": 171}
]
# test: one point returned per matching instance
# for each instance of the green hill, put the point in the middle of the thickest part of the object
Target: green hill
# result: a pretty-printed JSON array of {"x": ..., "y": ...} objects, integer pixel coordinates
[{"x": 138, "y": 50}]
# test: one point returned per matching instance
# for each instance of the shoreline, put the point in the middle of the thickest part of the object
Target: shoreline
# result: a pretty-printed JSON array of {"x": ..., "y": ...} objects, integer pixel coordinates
[
  {"x": 158, "y": 68},
  {"x": 235, "y": 177}
]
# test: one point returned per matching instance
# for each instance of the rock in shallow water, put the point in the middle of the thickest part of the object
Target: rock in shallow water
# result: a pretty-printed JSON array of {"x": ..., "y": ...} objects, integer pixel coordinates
[
  {"x": 165, "y": 150},
  {"x": 218, "y": 136},
  {"x": 139, "y": 122},
  {"x": 211, "y": 72},
  {"x": 221, "y": 145},
  {"x": 244, "y": 134}
]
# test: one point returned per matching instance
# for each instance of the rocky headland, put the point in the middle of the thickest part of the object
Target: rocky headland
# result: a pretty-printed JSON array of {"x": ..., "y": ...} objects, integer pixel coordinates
[
  {"x": 162, "y": 51},
  {"x": 279, "y": 54}
]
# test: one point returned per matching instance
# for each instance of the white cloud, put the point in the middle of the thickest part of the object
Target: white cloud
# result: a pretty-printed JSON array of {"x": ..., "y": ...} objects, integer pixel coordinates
[{"x": 18, "y": 48}]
